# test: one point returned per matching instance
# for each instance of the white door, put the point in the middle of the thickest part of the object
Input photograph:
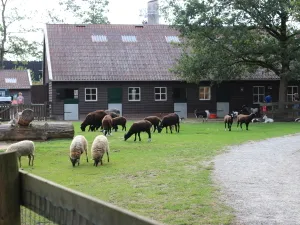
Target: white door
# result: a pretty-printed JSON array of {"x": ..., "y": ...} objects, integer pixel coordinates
[
  {"x": 180, "y": 109},
  {"x": 117, "y": 106},
  {"x": 222, "y": 109},
  {"x": 71, "y": 112}
]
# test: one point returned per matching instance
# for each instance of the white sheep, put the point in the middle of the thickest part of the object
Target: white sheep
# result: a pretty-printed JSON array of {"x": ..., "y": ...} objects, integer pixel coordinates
[
  {"x": 99, "y": 147},
  {"x": 268, "y": 120},
  {"x": 78, "y": 145},
  {"x": 23, "y": 148}
]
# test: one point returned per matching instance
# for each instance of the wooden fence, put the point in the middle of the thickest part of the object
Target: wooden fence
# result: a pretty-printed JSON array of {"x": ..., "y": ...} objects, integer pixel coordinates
[
  {"x": 41, "y": 111},
  {"x": 289, "y": 112},
  {"x": 41, "y": 198}
]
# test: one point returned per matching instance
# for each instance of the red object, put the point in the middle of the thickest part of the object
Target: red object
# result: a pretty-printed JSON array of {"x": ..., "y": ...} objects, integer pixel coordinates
[
  {"x": 264, "y": 108},
  {"x": 213, "y": 116}
]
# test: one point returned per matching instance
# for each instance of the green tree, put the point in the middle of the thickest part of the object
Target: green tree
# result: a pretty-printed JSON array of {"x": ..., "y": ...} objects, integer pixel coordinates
[
  {"x": 87, "y": 11},
  {"x": 227, "y": 39},
  {"x": 12, "y": 43}
]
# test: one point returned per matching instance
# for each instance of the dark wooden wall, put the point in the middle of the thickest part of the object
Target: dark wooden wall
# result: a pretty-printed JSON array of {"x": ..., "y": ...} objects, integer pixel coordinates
[
  {"x": 39, "y": 94},
  {"x": 147, "y": 105}
]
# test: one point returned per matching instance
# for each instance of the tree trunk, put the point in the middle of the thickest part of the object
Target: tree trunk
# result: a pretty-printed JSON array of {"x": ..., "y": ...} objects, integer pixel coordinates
[
  {"x": 37, "y": 131},
  {"x": 282, "y": 93},
  {"x": 25, "y": 117}
]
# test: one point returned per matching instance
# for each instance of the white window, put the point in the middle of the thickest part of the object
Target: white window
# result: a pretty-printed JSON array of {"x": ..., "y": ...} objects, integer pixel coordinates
[
  {"x": 174, "y": 39},
  {"x": 129, "y": 38},
  {"x": 204, "y": 93},
  {"x": 2, "y": 93},
  {"x": 258, "y": 94},
  {"x": 134, "y": 94},
  {"x": 11, "y": 80},
  {"x": 90, "y": 94},
  {"x": 291, "y": 90},
  {"x": 99, "y": 38},
  {"x": 160, "y": 94}
]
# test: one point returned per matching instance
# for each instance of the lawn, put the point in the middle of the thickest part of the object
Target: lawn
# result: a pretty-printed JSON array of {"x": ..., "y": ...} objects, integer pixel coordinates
[{"x": 168, "y": 179}]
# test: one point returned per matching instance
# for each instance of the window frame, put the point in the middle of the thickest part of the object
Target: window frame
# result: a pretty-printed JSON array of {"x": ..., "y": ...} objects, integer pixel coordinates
[
  {"x": 160, "y": 94},
  {"x": 86, "y": 100},
  {"x": 205, "y": 99},
  {"x": 287, "y": 94},
  {"x": 264, "y": 94},
  {"x": 129, "y": 93},
  {"x": 2, "y": 93}
]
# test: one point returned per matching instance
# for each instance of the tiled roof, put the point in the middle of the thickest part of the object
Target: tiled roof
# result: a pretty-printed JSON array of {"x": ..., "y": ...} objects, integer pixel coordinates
[
  {"x": 261, "y": 74},
  {"x": 106, "y": 52},
  {"x": 15, "y": 79},
  {"x": 96, "y": 52}
]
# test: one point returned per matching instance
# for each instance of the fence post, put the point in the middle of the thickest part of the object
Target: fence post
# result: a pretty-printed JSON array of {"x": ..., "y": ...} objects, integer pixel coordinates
[{"x": 9, "y": 189}]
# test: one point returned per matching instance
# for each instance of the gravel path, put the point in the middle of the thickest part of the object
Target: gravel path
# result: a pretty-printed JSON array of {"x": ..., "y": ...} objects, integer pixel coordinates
[{"x": 261, "y": 180}]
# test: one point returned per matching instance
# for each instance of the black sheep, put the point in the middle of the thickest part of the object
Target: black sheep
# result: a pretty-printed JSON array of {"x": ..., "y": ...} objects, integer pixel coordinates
[
  {"x": 244, "y": 119},
  {"x": 155, "y": 120},
  {"x": 137, "y": 128},
  {"x": 119, "y": 121},
  {"x": 169, "y": 120},
  {"x": 94, "y": 119}
]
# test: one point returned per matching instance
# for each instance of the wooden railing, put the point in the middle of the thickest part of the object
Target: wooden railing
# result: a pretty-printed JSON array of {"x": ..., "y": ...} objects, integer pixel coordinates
[
  {"x": 41, "y": 111},
  {"x": 289, "y": 111},
  {"x": 49, "y": 202}
]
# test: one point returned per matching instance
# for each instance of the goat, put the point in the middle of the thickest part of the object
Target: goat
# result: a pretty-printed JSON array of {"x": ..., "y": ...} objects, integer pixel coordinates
[
  {"x": 204, "y": 114},
  {"x": 268, "y": 120}
]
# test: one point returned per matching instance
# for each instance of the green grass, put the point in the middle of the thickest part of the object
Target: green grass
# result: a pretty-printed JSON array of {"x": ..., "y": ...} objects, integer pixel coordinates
[{"x": 168, "y": 179}]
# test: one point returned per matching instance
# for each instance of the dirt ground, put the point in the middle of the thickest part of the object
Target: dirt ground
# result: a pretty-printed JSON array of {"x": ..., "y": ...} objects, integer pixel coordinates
[{"x": 261, "y": 180}]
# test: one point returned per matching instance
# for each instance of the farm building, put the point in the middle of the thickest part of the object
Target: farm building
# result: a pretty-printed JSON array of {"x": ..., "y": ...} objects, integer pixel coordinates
[
  {"x": 15, "y": 81},
  {"x": 100, "y": 66}
]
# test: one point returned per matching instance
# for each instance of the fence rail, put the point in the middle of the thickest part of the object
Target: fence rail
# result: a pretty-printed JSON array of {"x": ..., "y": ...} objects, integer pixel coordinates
[
  {"x": 290, "y": 110},
  {"x": 45, "y": 202},
  {"x": 40, "y": 111}
]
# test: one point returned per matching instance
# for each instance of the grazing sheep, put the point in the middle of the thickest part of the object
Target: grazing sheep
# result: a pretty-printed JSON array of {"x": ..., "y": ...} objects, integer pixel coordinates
[
  {"x": 107, "y": 124},
  {"x": 241, "y": 118},
  {"x": 137, "y": 128},
  {"x": 99, "y": 147},
  {"x": 94, "y": 119},
  {"x": 228, "y": 119},
  {"x": 268, "y": 120},
  {"x": 119, "y": 121},
  {"x": 78, "y": 145},
  {"x": 155, "y": 120},
  {"x": 23, "y": 148},
  {"x": 169, "y": 120},
  {"x": 204, "y": 114}
]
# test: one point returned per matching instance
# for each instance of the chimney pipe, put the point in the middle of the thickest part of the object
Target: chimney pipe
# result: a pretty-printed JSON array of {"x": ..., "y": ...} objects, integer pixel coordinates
[{"x": 153, "y": 13}]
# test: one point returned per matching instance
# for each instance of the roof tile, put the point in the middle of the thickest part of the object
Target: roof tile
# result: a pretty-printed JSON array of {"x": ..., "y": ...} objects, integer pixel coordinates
[{"x": 14, "y": 79}]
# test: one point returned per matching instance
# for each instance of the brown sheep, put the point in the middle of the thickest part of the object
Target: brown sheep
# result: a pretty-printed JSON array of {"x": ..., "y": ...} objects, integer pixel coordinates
[
  {"x": 94, "y": 119},
  {"x": 228, "y": 119},
  {"x": 107, "y": 124},
  {"x": 168, "y": 121},
  {"x": 119, "y": 121},
  {"x": 241, "y": 118},
  {"x": 155, "y": 120},
  {"x": 137, "y": 128}
]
